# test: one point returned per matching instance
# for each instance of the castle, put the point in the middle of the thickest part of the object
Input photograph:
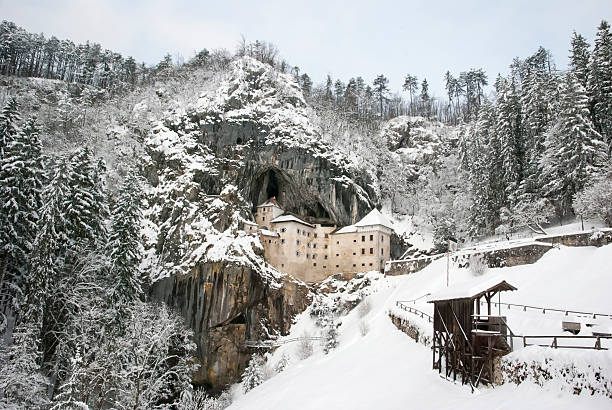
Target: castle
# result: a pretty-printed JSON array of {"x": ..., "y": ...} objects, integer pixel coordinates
[{"x": 313, "y": 252}]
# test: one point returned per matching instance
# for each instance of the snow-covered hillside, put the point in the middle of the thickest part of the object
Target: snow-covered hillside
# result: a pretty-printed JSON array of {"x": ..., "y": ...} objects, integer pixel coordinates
[{"x": 386, "y": 369}]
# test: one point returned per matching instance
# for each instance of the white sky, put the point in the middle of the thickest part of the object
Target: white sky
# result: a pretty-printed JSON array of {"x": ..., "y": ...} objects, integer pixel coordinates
[{"x": 341, "y": 38}]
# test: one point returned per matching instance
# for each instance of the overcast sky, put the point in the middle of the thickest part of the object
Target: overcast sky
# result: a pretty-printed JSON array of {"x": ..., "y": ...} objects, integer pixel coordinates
[{"x": 340, "y": 38}]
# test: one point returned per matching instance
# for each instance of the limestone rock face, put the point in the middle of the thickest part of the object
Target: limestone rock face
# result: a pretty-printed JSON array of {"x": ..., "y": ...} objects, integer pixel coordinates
[{"x": 226, "y": 304}]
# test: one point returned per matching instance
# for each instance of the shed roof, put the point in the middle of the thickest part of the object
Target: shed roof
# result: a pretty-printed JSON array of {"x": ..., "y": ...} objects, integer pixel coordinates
[
  {"x": 269, "y": 202},
  {"x": 471, "y": 290}
]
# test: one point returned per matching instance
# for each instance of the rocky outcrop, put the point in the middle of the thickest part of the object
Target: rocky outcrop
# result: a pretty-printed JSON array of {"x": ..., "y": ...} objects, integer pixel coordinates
[{"x": 226, "y": 304}]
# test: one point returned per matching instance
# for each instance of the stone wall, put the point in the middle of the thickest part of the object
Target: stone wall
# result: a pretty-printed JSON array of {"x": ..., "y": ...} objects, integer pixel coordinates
[
  {"x": 511, "y": 256},
  {"x": 408, "y": 266},
  {"x": 598, "y": 237}
]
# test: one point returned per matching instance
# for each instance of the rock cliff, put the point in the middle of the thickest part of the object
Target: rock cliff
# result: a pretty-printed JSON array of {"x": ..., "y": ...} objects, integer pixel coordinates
[{"x": 208, "y": 166}]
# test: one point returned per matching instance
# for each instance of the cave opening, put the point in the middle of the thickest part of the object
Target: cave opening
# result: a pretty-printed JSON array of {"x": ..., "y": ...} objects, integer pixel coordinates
[{"x": 238, "y": 320}]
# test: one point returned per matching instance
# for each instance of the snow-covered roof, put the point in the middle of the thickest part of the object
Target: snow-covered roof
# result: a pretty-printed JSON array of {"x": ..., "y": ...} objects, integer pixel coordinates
[
  {"x": 266, "y": 232},
  {"x": 471, "y": 290},
  {"x": 270, "y": 202},
  {"x": 289, "y": 218},
  {"x": 375, "y": 218},
  {"x": 347, "y": 229}
]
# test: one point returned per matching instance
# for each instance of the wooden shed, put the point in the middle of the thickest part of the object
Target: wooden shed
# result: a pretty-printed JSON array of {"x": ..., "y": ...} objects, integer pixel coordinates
[{"x": 466, "y": 342}]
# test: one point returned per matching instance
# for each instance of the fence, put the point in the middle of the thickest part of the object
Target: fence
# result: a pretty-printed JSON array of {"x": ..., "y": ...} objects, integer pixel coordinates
[{"x": 417, "y": 312}]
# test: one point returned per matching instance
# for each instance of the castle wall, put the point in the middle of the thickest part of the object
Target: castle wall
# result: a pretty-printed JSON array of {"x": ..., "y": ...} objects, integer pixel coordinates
[{"x": 313, "y": 253}]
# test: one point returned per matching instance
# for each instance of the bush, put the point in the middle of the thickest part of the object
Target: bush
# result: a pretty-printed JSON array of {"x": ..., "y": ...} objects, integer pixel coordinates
[
  {"x": 364, "y": 307},
  {"x": 364, "y": 328},
  {"x": 478, "y": 265},
  {"x": 305, "y": 347}
]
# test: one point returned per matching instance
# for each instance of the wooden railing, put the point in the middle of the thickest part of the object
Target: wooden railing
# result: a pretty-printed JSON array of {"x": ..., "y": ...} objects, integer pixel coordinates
[
  {"x": 544, "y": 310},
  {"x": 555, "y": 341},
  {"x": 277, "y": 342},
  {"x": 413, "y": 301},
  {"x": 402, "y": 305}
]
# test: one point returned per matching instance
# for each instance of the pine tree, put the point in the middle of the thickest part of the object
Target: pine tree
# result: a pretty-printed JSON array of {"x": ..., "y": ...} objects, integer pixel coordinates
[
  {"x": 575, "y": 151},
  {"x": 124, "y": 243},
  {"x": 8, "y": 124},
  {"x": 579, "y": 58},
  {"x": 253, "y": 374},
  {"x": 508, "y": 130},
  {"x": 425, "y": 99},
  {"x": 410, "y": 85},
  {"x": 600, "y": 83},
  {"x": 380, "y": 91},
  {"x": 21, "y": 181}
]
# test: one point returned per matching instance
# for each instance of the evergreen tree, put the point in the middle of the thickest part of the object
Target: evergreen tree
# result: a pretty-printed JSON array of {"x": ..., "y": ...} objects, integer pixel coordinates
[
  {"x": 253, "y": 374},
  {"x": 575, "y": 151},
  {"x": 328, "y": 88},
  {"x": 21, "y": 182},
  {"x": 8, "y": 124},
  {"x": 410, "y": 85},
  {"x": 600, "y": 83},
  {"x": 579, "y": 58},
  {"x": 124, "y": 243},
  {"x": 508, "y": 130},
  {"x": 306, "y": 83},
  {"x": 425, "y": 99},
  {"x": 380, "y": 91}
]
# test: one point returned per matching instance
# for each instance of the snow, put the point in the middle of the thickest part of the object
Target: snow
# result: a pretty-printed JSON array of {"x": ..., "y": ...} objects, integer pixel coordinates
[
  {"x": 289, "y": 218},
  {"x": 374, "y": 218},
  {"x": 266, "y": 232},
  {"x": 388, "y": 370}
]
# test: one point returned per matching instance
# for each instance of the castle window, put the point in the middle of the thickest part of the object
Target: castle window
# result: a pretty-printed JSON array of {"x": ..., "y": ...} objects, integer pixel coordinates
[
  {"x": 325, "y": 256},
  {"x": 315, "y": 235},
  {"x": 314, "y": 245},
  {"x": 263, "y": 218},
  {"x": 354, "y": 240},
  {"x": 324, "y": 267},
  {"x": 370, "y": 263},
  {"x": 354, "y": 253},
  {"x": 297, "y": 242},
  {"x": 307, "y": 255},
  {"x": 354, "y": 265},
  {"x": 362, "y": 238},
  {"x": 337, "y": 266},
  {"x": 308, "y": 234},
  {"x": 382, "y": 251},
  {"x": 327, "y": 235},
  {"x": 382, "y": 238},
  {"x": 363, "y": 264},
  {"x": 363, "y": 251},
  {"x": 282, "y": 241},
  {"x": 282, "y": 265},
  {"x": 308, "y": 244},
  {"x": 297, "y": 253},
  {"x": 371, "y": 251},
  {"x": 298, "y": 231},
  {"x": 314, "y": 256},
  {"x": 337, "y": 255},
  {"x": 314, "y": 264},
  {"x": 283, "y": 229},
  {"x": 337, "y": 242},
  {"x": 269, "y": 240},
  {"x": 371, "y": 237},
  {"x": 325, "y": 246}
]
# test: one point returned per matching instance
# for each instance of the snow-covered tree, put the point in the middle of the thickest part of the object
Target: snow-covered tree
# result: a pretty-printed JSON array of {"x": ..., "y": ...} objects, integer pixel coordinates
[
  {"x": 595, "y": 200},
  {"x": 22, "y": 384},
  {"x": 253, "y": 374},
  {"x": 21, "y": 181},
  {"x": 575, "y": 151},
  {"x": 600, "y": 82},
  {"x": 125, "y": 243},
  {"x": 331, "y": 337},
  {"x": 283, "y": 362}
]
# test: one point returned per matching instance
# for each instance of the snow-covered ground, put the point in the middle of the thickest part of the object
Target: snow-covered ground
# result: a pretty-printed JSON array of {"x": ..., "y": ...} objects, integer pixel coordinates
[{"x": 385, "y": 369}]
